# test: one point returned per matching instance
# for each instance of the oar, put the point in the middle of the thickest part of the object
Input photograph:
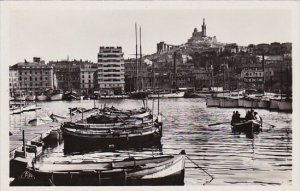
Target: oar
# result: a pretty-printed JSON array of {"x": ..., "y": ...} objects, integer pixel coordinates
[
  {"x": 219, "y": 123},
  {"x": 269, "y": 124}
]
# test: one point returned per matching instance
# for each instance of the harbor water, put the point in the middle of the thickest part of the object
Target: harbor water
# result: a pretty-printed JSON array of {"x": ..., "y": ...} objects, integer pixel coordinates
[{"x": 231, "y": 159}]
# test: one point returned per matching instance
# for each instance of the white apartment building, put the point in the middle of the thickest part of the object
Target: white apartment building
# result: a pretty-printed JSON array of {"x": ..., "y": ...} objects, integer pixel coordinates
[{"x": 110, "y": 74}]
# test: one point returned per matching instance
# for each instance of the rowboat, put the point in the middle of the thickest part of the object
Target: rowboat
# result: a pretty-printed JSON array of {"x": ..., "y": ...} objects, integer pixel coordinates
[
  {"x": 249, "y": 127},
  {"x": 154, "y": 170}
]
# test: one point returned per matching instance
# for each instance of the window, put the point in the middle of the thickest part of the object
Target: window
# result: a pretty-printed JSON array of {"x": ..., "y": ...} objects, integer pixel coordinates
[
  {"x": 82, "y": 76},
  {"x": 46, "y": 78},
  {"x": 30, "y": 78},
  {"x": 35, "y": 72},
  {"x": 35, "y": 79},
  {"x": 89, "y": 76},
  {"x": 41, "y": 78},
  {"x": 30, "y": 72}
]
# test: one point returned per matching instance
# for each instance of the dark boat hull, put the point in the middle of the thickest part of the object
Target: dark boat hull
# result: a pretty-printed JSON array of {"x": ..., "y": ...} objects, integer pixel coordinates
[
  {"x": 74, "y": 141},
  {"x": 248, "y": 127},
  {"x": 167, "y": 172}
]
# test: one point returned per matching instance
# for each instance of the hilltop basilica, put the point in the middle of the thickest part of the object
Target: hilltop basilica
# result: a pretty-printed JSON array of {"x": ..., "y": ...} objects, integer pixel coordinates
[{"x": 200, "y": 36}]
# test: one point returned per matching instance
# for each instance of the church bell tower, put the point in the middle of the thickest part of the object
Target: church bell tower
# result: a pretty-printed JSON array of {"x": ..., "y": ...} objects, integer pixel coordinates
[{"x": 203, "y": 28}]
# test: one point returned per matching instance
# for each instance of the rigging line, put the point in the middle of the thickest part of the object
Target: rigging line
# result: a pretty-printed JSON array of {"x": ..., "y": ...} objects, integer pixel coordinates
[{"x": 201, "y": 168}]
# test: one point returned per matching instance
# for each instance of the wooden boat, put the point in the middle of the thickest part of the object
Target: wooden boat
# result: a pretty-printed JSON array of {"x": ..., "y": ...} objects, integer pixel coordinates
[
  {"x": 249, "y": 127},
  {"x": 40, "y": 120},
  {"x": 155, "y": 170},
  {"x": 138, "y": 95},
  {"x": 41, "y": 97},
  {"x": 69, "y": 96},
  {"x": 94, "y": 136}
]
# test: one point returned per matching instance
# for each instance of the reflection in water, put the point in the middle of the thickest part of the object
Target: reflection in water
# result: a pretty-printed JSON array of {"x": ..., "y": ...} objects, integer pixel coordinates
[{"x": 229, "y": 158}]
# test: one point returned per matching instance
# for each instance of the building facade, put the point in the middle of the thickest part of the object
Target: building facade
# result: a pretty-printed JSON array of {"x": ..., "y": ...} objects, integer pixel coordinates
[
  {"x": 111, "y": 69},
  {"x": 33, "y": 77},
  {"x": 67, "y": 74},
  {"x": 13, "y": 80},
  {"x": 87, "y": 81}
]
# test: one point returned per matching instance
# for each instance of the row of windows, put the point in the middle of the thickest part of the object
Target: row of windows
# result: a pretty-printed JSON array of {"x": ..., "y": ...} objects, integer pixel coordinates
[
  {"x": 30, "y": 78},
  {"x": 254, "y": 74},
  {"x": 31, "y": 72},
  {"x": 253, "y": 80},
  {"x": 110, "y": 60},
  {"x": 110, "y": 56},
  {"x": 110, "y": 65},
  {"x": 112, "y": 85},
  {"x": 30, "y": 84}
]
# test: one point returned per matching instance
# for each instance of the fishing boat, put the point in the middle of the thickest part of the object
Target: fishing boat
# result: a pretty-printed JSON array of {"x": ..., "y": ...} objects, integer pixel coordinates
[
  {"x": 138, "y": 95},
  {"x": 249, "y": 127},
  {"x": 40, "y": 120},
  {"x": 56, "y": 95},
  {"x": 69, "y": 96},
  {"x": 93, "y": 136},
  {"x": 154, "y": 170},
  {"x": 19, "y": 95},
  {"x": 41, "y": 97}
]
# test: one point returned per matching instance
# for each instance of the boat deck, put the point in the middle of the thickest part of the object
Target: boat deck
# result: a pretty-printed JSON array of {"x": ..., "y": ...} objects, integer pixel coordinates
[{"x": 39, "y": 132}]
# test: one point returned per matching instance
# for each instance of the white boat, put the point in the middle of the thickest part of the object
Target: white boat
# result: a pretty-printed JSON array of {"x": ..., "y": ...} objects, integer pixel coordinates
[
  {"x": 41, "y": 97},
  {"x": 30, "y": 98},
  {"x": 56, "y": 95},
  {"x": 168, "y": 95},
  {"x": 285, "y": 106},
  {"x": 40, "y": 120}
]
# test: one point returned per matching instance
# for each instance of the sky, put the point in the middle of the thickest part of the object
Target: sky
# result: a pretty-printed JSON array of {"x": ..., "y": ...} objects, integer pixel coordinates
[{"x": 59, "y": 31}]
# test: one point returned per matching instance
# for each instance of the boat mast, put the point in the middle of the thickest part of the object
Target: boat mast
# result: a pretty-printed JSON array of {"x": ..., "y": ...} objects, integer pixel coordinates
[
  {"x": 141, "y": 56},
  {"x": 136, "y": 57},
  {"x": 263, "y": 68}
]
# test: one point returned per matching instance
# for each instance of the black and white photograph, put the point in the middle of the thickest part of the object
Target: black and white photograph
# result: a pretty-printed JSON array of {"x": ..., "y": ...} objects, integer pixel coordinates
[{"x": 149, "y": 93}]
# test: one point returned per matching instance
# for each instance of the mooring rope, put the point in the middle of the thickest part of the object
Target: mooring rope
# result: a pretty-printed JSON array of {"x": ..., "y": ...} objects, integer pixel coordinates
[{"x": 202, "y": 170}]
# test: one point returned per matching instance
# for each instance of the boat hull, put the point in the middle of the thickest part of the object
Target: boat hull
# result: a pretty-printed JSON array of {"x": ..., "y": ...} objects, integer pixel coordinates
[
  {"x": 41, "y": 98},
  {"x": 56, "y": 97},
  {"x": 248, "y": 127},
  {"x": 167, "y": 172},
  {"x": 74, "y": 141}
]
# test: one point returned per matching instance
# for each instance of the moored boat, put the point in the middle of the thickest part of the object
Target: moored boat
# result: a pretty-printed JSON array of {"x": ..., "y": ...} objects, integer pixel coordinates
[
  {"x": 41, "y": 97},
  {"x": 155, "y": 170},
  {"x": 56, "y": 95}
]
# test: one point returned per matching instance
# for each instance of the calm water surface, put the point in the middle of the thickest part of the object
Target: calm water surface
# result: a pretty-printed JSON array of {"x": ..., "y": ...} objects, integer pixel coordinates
[{"x": 230, "y": 159}]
